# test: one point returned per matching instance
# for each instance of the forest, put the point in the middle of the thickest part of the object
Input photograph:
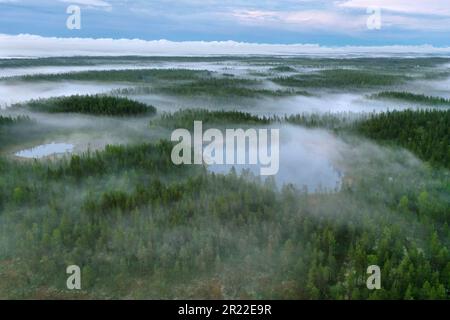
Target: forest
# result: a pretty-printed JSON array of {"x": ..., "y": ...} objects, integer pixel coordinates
[
  {"x": 141, "y": 227},
  {"x": 131, "y": 75},
  {"x": 411, "y": 97},
  {"x": 424, "y": 132},
  {"x": 224, "y": 88},
  {"x": 94, "y": 105},
  {"x": 165, "y": 232},
  {"x": 341, "y": 78},
  {"x": 186, "y": 118}
]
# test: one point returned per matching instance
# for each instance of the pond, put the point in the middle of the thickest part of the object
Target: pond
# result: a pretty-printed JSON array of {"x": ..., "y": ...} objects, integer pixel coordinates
[
  {"x": 307, "y": 158},
  {"x": 45, "y": 150}
]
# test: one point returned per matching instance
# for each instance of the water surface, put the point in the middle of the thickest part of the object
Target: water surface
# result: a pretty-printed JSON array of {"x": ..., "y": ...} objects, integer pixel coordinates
[{"x": 45, "y": 150}]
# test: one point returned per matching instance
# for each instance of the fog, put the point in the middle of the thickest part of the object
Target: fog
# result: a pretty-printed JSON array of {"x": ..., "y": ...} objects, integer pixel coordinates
[
  {"x": 17, "y": 91},
  {"x": 233, "y": 67},
  {"x": 440, "y": 88},
  {"x": 320, "y": 102},
  {"x": 37, "y": 46},
  {"x": 308, "y": 158},
  {"x": 20, "y": 71}
]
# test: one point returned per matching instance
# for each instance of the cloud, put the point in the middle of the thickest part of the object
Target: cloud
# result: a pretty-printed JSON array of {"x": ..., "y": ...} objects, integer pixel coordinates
[
  {"x": 89, "y": 3},
  {"x": 350, "y": 16},
  {"x": 311, "y": 19},
  {"x": 424, "y": 7},
  {"x": 286, "y": 21},
  {"x": 430, "y": 24},
  {"x": 26, "y": 45}
]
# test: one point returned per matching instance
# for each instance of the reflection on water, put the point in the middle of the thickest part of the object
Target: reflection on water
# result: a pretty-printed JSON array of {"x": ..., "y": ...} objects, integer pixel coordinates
[
  {"x": 45, "y": 150},
  {"x": 307, "y": 159}
]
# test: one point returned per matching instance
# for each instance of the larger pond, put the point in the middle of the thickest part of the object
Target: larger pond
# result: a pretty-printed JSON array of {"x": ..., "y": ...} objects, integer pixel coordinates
[{"x": 307, "y": 158}]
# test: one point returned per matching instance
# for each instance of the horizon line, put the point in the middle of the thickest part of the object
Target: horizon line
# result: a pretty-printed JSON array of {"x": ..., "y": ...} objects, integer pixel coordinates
[{"x": 30, "y": 45}]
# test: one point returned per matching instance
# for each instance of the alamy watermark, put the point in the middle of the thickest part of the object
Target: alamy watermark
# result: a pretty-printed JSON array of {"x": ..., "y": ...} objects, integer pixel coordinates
[
  {"x": 374, "y": 280},
  {"x": 374, "y": 19},
  {"x": 73, "y": 22},
  {"x": 235, "y": 147},
  {"x": 74, "y": 280}
]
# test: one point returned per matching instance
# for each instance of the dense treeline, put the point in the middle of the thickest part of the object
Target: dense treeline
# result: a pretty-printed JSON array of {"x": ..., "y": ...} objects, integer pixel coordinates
[
  {"x": 210, "y": 88},
  {"x": 130, "y": 75},
  {"x": 283, "y": 69},
  {"x": 340, "y": 78},
  {"x": 330, "y": 121},
  {"x": 398, "y": 64},
  {"x": 142, "y": 228},
  {"x": 424, "y": 132},
  {"x": 90, "y": 104},
  {"x": 11, "y": 127},
  {"x": 224, "y": 88},
  {"x": 108, "y": 60},
  {"x": 138, "y": 232},
  {"x": 185, "y": 118},
  {"x": 411, "y": 97},
  {"x": 116, "y": 158},
  {"x": 9, "y": 121}
]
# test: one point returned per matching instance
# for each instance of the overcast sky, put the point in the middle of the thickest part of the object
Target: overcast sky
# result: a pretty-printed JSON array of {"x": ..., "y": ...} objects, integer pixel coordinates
[{"x": 323, "y": 22}]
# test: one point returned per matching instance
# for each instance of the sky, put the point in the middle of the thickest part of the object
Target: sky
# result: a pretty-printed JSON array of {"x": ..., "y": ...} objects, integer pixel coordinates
[{"x": 321, "y": 22}]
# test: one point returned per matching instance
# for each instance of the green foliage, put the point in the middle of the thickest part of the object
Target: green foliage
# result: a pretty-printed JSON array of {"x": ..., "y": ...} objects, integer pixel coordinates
[
  {"x": 283, "y": 69},
  {"x": 424, "y": 132},
  {"x": 194, "y": 235},
  {"x": 131, "y": 75},
  {"x": 150, "y": 157},
  {"x": 223, "y": 88},
  {"x": 95, "y": 105},
  {"x": 141, "y": 227},
  {"x": 331, "y": 121},
  {"x": 10, "y": 121},
  {"x": 10, "y": 128},
  {"x": 186, "y": 118},
  {"x": 340, "y": 78},
  {"x": 411, "y": 97}
]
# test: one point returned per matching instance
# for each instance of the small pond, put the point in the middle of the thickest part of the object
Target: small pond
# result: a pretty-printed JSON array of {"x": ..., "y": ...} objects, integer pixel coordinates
[{"x": 45, "y": 150}]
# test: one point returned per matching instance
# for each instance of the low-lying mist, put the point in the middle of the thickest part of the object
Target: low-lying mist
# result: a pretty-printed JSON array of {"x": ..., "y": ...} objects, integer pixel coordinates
[
  {"x": 307, "y": 159},
  {"x": 18, "y": 91}
]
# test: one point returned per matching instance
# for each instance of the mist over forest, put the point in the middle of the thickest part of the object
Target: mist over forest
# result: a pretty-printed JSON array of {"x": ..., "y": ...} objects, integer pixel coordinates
[{"x": 87, "y": 179}]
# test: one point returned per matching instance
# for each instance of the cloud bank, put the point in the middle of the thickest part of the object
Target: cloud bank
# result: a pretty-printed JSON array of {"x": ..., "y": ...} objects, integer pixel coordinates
[{"x": 26, "y": 45}]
